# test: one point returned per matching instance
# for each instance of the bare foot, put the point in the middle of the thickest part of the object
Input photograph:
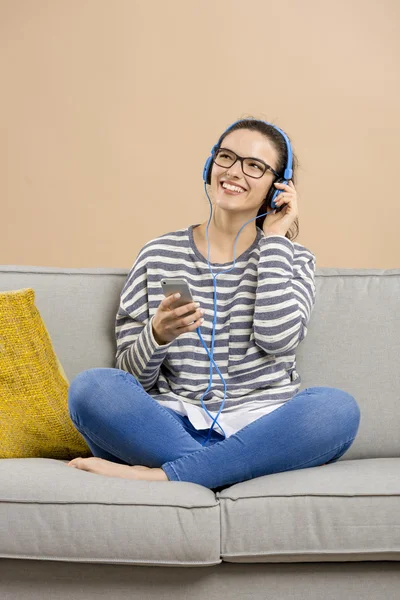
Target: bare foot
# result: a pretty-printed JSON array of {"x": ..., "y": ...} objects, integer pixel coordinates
[{"x": 101, "y": 466}]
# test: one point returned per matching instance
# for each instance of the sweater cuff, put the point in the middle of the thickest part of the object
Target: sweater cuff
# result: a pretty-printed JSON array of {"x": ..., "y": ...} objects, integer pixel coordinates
[
  {"x": 155, "y": 346},
  {"x": 276, "y": 237}
]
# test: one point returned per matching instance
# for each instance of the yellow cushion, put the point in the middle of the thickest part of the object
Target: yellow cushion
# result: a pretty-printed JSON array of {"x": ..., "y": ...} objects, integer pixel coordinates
[{"x": 34, "y": 417}]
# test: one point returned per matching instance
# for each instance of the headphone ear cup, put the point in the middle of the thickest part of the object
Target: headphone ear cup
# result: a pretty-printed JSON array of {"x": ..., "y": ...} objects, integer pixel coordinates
[
  {"x": 273, "y": 193},
  {"x": 207, "y": 170},
  {"x": 209, "y": 164},
  {"x": 268, "y": 197},
  {"x": 208, "y": 179}
]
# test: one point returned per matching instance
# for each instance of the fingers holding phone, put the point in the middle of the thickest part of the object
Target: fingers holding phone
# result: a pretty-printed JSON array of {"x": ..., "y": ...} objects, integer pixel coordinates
[{"x": 175, "y": 316}]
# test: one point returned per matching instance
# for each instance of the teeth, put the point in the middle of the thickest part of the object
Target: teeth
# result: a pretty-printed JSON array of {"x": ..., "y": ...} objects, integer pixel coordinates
[{"x": 232, "y": 187}]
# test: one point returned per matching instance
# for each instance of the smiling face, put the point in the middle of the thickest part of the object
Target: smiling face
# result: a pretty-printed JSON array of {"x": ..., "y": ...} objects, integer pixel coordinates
[{"x": 245, "y": 143}]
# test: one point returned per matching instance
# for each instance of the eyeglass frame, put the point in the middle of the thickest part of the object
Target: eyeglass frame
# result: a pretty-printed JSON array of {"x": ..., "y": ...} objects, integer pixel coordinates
[{"x": 241, "y": 159}]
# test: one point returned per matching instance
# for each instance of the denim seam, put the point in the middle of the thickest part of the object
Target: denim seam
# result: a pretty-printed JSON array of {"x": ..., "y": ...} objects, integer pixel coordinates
[
  {"x": 173, "y": 469},
  {"x": 203, "y": 449}
]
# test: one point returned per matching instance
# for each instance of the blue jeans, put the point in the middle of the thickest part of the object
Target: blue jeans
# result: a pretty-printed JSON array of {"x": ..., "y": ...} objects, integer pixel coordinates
[{"x": 122, "y": 423}]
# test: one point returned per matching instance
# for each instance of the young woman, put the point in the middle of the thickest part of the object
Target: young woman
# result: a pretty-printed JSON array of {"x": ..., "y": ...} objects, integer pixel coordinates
[{"x": 163, "y": 413}]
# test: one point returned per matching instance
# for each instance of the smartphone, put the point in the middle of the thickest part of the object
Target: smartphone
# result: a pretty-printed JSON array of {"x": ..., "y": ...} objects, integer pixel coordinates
[{"x": 173, "y": 286}]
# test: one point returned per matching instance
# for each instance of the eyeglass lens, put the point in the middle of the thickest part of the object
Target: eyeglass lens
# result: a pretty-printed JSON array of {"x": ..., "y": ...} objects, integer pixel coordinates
[{"x": 251, "y": 167}]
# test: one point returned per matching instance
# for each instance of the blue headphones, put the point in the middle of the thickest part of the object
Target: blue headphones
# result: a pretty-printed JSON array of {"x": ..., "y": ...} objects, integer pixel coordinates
[{"x": 270, "y": 199}]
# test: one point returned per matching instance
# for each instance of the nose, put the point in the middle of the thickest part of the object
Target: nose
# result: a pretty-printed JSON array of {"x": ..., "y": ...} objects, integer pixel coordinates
[{"x": 236, "y": 169}]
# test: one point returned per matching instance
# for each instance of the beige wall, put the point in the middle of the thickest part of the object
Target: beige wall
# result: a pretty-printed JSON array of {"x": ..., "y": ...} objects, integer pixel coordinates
[{"x": 92, "y": 88}]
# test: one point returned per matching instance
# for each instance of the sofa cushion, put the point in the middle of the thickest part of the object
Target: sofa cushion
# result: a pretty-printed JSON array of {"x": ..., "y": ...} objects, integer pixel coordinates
[
  {"x": 34, "y": 416},
  {"x": 49, "y": 511},
  {"x": 343, "y": 511}
]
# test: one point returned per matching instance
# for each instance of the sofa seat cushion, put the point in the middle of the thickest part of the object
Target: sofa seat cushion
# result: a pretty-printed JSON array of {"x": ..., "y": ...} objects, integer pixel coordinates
[
  {"x": 344, "y": 511},
  {"x": 49, "y": 511}
]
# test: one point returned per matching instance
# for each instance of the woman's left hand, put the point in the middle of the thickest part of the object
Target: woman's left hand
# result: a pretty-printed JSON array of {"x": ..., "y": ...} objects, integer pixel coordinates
[{"x": 280, "y": 223}]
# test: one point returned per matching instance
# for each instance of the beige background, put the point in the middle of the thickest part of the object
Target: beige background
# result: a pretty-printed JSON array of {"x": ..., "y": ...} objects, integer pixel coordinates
[{"x": 94, "y": 90}]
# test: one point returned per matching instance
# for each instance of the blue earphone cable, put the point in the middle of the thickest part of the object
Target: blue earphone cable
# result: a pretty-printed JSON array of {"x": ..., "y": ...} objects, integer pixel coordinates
[
  {"x": 207, "y": 167},
  {"x": 214, "y": 323}
]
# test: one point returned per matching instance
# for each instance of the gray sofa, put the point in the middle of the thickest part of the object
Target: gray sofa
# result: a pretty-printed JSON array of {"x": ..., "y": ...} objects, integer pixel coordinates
[{"x": 324, "y": 532}]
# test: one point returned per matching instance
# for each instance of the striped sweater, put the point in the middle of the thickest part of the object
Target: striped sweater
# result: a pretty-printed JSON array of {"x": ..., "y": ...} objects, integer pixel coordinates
[{"x": 263, "y": 308}]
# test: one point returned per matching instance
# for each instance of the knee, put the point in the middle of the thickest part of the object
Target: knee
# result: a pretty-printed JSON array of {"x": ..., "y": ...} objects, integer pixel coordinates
[
  {"x": 339, "y": 405},
  {"x": 346, "y": 405},
  {"x": 78, "y": 389},
  {"x": 82, "y": 390},
  {"x": 354, "y": 413}
]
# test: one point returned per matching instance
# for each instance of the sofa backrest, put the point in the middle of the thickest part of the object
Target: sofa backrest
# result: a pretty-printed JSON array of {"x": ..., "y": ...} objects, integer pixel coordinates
[{"x": 353, "y": 340}]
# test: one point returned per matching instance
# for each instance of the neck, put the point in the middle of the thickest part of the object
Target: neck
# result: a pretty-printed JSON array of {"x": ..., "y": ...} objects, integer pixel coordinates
[{"x": 222, "y": 233}]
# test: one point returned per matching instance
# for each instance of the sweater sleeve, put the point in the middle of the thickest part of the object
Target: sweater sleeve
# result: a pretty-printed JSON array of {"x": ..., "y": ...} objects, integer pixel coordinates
[
  {"x": 137, "y": 351},
  {"x": 285, "y": 295}
]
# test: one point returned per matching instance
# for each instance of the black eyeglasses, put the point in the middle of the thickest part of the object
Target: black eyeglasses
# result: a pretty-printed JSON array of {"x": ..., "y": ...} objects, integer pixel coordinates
[{"x": 253, "y": 167}]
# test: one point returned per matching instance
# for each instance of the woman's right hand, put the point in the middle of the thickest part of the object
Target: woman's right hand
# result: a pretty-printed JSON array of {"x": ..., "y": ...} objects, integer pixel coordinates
[{"x": 168, "y": 322}]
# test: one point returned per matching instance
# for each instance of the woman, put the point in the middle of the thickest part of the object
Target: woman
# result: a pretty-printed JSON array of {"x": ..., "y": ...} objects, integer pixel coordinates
[{"x": 153, "y": 416}]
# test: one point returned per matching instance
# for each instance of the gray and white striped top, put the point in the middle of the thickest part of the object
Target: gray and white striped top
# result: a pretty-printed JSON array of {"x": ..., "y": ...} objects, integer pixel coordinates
[{"x": 263, "y": 308}]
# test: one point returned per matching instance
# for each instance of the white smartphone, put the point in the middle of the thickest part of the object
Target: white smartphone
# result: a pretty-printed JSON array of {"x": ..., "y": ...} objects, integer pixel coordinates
[{"x": 173, "y": 286}]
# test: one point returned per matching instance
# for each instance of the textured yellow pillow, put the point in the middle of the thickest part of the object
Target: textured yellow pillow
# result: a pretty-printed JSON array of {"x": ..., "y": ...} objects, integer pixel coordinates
[{"x": 34, "y": 417}]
